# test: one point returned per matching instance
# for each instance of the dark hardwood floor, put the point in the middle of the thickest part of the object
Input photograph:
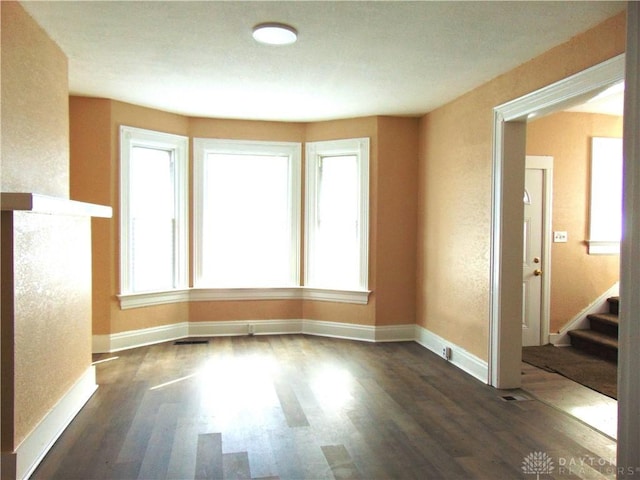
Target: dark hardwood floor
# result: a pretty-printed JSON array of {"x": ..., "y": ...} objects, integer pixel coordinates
[{"x": 302, "y": 407}]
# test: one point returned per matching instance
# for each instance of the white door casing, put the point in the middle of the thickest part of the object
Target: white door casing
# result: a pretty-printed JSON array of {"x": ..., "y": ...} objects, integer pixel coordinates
[{"x": 505, "y": 345}]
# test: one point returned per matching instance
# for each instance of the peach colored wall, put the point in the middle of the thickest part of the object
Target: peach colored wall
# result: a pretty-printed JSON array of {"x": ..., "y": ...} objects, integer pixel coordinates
[
  {"x": 395, "y": 222},
  {"x": 35, "y": 127},
  {"x": 90, "y": 148},
  {"x": 246, "y": 130},
  {"x": 454, "y": 199},
  {"x": 577, "y": 278},
  {"x": 46, "y": 258}
]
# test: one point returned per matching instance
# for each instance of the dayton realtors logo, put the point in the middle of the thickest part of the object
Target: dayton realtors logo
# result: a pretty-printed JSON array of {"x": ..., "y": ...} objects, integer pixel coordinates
[
  {"x": 537, "y": 463},
  {"x": 540, "y": 463}
]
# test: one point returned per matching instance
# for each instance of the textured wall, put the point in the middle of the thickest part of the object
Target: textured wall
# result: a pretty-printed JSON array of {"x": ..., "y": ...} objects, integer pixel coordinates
[
  {"x": 90, "y": 151},
  {"x": 454, "y": 203},
  {"x": 35, "y": 120},
  {"x": 577, "y": 278},
  {"x": 395, "y": 222},
  {"x": 52, "y": 312}
]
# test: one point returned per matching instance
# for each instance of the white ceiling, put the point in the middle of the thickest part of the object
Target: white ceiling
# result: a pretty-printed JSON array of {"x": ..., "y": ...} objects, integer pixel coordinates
[{"x": 351, "y": 59}]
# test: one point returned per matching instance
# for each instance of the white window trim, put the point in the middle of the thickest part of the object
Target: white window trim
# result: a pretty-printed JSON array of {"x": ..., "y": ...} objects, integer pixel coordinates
[
  {"x": 179, "y": 145},
  {"x": 314, "y": 152},
  {"x": 148, "y": 299},
  {"x": 293, "y": 150},
  {"x": 603, "y": 161}
]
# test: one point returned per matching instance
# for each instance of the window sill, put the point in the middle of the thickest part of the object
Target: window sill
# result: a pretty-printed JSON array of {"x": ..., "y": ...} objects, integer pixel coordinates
[
  {"x": 139, "y": 300},
  {"x": 599, "y": 247}
]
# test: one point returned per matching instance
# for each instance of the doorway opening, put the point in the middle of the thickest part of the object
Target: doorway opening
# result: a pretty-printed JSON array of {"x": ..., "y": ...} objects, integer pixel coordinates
[{"x": 505, "y": 337}]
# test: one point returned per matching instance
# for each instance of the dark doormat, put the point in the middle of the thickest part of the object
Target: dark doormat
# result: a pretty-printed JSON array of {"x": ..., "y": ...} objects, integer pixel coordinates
[{"x": 593, "y": 372}]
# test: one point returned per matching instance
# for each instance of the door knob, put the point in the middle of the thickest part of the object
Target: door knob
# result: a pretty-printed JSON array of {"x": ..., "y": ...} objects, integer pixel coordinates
[{"x": 537, "y": 272}]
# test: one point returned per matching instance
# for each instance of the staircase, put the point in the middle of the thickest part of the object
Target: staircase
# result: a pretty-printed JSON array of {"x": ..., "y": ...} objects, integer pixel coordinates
[{"x": 602, "y": 338}]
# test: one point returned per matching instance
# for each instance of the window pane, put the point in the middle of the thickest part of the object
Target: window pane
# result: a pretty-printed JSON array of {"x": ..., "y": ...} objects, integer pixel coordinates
[
  {"x": 152, "y": 216},
  {"x": 246, "y": 221},
  {"x": 336, "y": 253}
]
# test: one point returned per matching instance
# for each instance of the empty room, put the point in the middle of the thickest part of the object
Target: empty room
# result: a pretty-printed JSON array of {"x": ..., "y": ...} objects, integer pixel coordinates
[{"x": 284, "y": 240}]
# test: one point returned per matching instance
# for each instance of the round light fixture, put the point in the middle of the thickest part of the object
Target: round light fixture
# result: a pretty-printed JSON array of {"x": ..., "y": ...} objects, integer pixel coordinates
[{"x": 275, "y": 34}]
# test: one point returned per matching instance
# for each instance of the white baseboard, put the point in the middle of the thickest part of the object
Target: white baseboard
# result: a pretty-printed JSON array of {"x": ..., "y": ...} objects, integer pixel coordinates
[
  {"x": 36, "y": 445},
  {"x": 348, "y": 331},
  {"x": 462, "y": 359},
  {"x": 165, "y": 333},
  {"x": 138, "y": 338},
  {"x": 396, "y": 333},
  {"x": 244, "y": 327},
  {"x": 580, "y": 321}
]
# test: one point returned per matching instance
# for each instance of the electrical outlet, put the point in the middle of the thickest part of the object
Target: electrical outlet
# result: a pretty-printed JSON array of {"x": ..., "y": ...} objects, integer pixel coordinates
[
  {"x": 252, "y": 329},
  {"x": 446, "y": 353},
  {"x": 560, "y": 237}
]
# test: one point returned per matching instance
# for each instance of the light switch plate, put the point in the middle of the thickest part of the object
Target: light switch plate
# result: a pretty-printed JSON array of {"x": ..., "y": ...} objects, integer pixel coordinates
[{"x": 560, "y": 237}]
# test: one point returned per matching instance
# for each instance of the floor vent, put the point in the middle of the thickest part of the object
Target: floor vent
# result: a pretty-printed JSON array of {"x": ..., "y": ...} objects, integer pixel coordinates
[
  {"x": 514, "y": 398},
  {"x": 190, "y": 342}
]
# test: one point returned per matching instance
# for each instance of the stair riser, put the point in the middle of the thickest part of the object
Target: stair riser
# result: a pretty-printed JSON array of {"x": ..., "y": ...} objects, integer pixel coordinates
[
  {"x": 614, "y": 307},
  {"x": 601, "y": 351},
  {"x": 606, "y": 328}
]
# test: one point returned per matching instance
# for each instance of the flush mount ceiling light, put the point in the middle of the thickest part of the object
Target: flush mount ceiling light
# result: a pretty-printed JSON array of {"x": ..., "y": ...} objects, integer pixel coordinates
[{"x": 275, "y": 34}]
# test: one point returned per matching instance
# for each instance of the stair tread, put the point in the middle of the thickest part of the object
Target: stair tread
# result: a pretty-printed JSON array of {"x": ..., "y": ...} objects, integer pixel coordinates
[
  {"x": 610, "y": 318},
  {"x": 595, "y": 337},
  {"x": 614, "y": 304}
]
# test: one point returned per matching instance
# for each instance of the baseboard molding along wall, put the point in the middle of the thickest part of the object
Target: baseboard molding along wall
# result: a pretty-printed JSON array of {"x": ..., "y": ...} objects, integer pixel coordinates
[
  {"x": 580, "y": 321},
  {"x": 458, "y": 356},
  {"x": 139, "y": 338},
  {"x": 36, "y": 445},
  {"x": 388, "y": 333},
  {"x": 148, "y": 336}
]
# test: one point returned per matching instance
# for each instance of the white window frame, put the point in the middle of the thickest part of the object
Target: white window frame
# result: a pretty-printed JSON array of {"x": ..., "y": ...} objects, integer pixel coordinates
[
  {"x": 178, "y": 145},
  {"x": 606, "y": 196},
  {"x": 203, "y": 147},
  {"x": 315, "y": 151}
]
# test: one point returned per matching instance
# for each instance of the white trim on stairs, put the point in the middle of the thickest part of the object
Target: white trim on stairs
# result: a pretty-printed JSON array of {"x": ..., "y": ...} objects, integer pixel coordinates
[{"x": 581, "y": 320}]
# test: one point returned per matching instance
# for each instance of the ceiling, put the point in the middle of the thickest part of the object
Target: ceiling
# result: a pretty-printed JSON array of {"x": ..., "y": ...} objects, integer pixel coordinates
[{"x": 351, "y": 59}]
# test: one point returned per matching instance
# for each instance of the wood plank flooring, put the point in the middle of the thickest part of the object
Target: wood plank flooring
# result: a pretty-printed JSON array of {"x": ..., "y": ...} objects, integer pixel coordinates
[
  {"x": 302, "y": 407},
  {"x": 589, "y": 406}
]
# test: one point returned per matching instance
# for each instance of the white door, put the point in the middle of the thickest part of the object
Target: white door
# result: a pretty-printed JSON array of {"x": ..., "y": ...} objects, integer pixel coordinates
[{"x": 532, "y": 260}]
